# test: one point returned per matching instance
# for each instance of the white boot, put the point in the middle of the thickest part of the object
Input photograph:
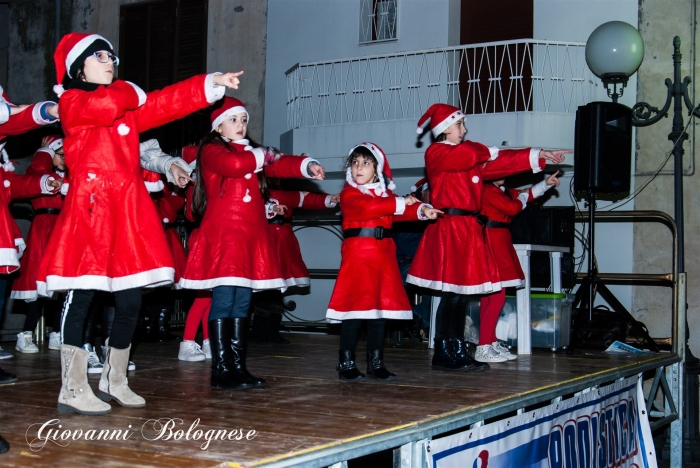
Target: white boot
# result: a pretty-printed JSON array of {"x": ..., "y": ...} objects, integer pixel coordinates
[
  {"x": 206, "y": 349},
  {"x": 190, "y": 351},
  {"x": 76, "y": 394},
  {"x": 25, "y": 343},
  {"x": 55, "y": 341},
  {"x": 114, "y": 384}
]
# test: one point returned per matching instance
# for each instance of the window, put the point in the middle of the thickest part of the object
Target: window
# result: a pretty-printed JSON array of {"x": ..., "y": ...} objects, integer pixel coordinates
[
  {"x": 377, "y": 20},
  {"x": 162, "y": 42}
]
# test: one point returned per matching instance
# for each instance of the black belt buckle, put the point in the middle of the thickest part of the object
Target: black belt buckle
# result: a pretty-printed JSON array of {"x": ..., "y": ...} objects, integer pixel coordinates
[
  {"x": 482, "y": 219},
  {"x": 379, "y": 232}
]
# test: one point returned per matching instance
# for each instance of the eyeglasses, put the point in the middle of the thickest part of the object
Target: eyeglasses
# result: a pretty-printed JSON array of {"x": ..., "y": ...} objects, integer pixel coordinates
[{"x": 104, "y": 57}]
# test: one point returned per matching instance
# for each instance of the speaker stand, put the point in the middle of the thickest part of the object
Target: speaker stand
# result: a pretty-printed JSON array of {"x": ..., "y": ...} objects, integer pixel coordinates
[{"x": 593, "y": 284}]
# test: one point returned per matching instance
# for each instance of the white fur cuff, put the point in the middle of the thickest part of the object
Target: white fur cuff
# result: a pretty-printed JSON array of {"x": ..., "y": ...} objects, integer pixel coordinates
[
  {"x": 535, "y": 160},
  {"x": 212, "y": 91},
  {"x": 400, "y": 205}
]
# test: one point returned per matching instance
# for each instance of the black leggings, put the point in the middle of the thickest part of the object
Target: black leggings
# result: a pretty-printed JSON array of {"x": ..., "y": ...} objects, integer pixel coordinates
[
  {"x": 350, "y": 328},
  {"x": 451, "y": 315},
  {"x": 34, "y": 314},
  {"x": 126, "y": 316}
]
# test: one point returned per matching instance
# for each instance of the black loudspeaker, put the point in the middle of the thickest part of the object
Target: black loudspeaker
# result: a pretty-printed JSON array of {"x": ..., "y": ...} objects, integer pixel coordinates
[
  {"x": 603, "y": 148},
  {"x": 547, "y": 226}
]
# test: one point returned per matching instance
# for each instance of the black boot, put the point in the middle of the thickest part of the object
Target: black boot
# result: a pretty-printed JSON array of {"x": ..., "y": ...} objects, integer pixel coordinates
[
  {"x": 415, "y": 331},
  {"x": 163, "y": 321},
  {"x": 6, "y": 377},
  {"x": 347, "y": 369},
  {"x": 460, "y": 350},
  {"x": 239, "y": 346},
  {"x": 260, "y": 334},
  {"x": 224, "y": 373},
  {"x": 4, "y": 445},
  {"x": 273, "y": 329},
  {"x": 445, "y": 360},
  {"x": 375, "y": 366}
]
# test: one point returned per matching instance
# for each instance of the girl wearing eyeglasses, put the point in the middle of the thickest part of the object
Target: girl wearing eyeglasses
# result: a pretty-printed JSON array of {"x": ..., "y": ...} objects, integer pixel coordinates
[{"x": 108, "y": 236}]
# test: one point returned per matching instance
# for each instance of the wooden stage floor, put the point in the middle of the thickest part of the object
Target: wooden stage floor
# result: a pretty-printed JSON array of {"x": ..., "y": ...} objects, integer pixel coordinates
[{"x": 304, "y": 411}]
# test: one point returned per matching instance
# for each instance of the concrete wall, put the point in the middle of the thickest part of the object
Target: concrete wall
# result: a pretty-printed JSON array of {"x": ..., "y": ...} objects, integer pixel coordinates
[
  {"x": 658, "y": 26},
  {"x": 4, "y": 42}
]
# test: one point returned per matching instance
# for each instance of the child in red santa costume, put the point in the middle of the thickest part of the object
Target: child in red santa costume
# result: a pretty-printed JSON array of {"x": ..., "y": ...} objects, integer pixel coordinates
[
  {"x": 47, "y": 159},
  {"x": 499, "y": 204},
  {"x": 269, "y": 306},
  {"x": 369, "y": 285},
  {"x": 453, "y": 256},
  {"x": 108, "y": 235},
  {"x": 233, "y": 251},
  {"x": 15, "y": 120}
]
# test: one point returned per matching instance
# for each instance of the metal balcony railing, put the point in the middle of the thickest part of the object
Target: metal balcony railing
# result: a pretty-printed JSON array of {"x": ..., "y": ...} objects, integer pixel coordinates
[{"x": 507, "y": 76}]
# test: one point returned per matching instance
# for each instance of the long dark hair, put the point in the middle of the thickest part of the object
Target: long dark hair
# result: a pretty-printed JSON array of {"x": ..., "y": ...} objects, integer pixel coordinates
[{"x": 199, "y": 199}]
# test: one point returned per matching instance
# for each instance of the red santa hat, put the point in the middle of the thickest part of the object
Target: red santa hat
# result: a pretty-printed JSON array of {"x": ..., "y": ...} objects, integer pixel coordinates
[
  {"x": 71, "y": 53},
  {"x": 230, "y": 107},
  {"x": 153, "y": 180},
  {"x": 55, "y": 142},
  {"x": 383, "y": 170},
  {"x": 420, "y": 185},
  {"x": 439, "y": 117}
]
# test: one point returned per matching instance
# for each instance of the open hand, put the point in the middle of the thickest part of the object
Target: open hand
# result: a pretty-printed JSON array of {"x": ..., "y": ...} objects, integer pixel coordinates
[
  {"x": 554, "y": 156},
  {"x": 317, "y": 171},
  {"x": 230, "y": 80}
]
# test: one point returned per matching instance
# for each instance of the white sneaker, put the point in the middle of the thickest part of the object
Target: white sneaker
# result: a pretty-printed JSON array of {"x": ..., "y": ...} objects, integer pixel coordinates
[
  {"x": 190, "y": 351},
  {"x": 4, "y": 354},
  {"x": 206, "y": 349},
  {"x": 129, "y": 367},
  {"x": 55, "y": 341},
  {"x": 503, "y": 350},
  {"x": 94, "y": 366},
  {"x": 485, "y": 353},
  {"x": 25, "y": 343}
]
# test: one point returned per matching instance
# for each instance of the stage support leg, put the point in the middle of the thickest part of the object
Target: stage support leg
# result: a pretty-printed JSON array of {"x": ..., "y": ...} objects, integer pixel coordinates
[
  {"x": 674, "y": 377},
  {"x": 411, "y": 455}
]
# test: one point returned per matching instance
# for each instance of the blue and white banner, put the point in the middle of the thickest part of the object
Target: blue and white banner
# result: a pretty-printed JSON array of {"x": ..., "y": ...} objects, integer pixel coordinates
[{"x": 604, "y": 428}]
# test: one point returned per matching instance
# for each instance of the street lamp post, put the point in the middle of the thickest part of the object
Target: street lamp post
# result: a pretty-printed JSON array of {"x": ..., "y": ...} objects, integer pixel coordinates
[{"x": 611, "y": 52}]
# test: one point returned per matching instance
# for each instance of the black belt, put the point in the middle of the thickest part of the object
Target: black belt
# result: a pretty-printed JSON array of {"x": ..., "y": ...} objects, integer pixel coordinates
[
  {"x": 41, "y": 211},
  {"x": 279, "y": 220},
  {"x": 459, "y": 212},
  {"x": 497, "y": 224},
  {"x": 378, "y": 232}
]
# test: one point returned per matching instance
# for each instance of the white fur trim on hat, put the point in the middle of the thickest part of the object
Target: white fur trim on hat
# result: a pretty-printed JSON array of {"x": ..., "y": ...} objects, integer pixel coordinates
[
  {"x": 79, "y": 48},
  {"x": 228, "y": 113},
  {"x": 455, "y": 117}
]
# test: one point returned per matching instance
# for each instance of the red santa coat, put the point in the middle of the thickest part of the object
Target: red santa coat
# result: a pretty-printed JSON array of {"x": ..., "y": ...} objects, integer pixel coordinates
[
  {"x": 108, "y": 235},
  {"x": 234, "y": 244},
  {"x": 14, "y": 186},
  {"x": 167, "y": 204},
  {"x": 287, "y": 249},
  {"x": 24, "y": 287},
  {"x": 369, "y": 284},
  {"x": 453, "y": 255},
  {"x": 500, "y": 206}
]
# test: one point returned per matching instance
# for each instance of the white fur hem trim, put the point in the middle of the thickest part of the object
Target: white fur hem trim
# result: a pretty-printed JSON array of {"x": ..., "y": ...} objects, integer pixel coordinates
[
  {"x": 258, "y": 285},
  {"x": 27, "y": 296},
  {"x": 213, "y": 92},
  {"x": 455, "y": 288},
  {"x": 535, "y": 160},
  {"x": 9, "y": 257},
  {"x": 139, "y": 92},
  {"x": 516, "y": 283},
  {"x": 151, "y": 278},
  {"x": 400, "y": 205},
  {"x": 298, "y": 282},
  {"x": 336, "y": 315}
]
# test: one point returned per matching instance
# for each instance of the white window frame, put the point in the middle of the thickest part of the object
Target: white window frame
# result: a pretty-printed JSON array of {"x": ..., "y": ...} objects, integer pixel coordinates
[{"x": 376, "y": 23}]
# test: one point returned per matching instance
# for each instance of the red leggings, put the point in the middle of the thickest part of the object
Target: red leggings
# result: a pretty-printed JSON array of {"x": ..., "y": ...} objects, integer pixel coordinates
[
  {"x": 199, "y": 313},
  {"x": 491, "y": 307}
]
